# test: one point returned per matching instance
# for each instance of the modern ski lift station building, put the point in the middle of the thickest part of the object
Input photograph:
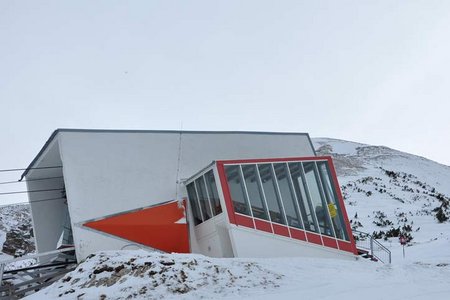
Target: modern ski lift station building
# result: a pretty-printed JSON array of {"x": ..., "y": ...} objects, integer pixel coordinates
[{"x": 221, "y": 194}]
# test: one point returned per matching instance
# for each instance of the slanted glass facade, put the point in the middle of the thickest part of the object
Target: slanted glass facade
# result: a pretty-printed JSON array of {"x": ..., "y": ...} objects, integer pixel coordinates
[
  {"x": 203, "y": 197},
  {"x": 296, "y": 198},
  {"x": 299, "y": 194}
]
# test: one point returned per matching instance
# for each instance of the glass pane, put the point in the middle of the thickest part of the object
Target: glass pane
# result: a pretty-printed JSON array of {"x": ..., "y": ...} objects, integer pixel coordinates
[
  {"x": 192, "y": 195},
  {"x": 203, "y": 198},
  {"x": 265, "y": 171},
  {"x": 212, "y": 191},
  {"x": 319, "y": 204},
  {"x": 303, "y": 200},
  {"x": 237, "y": 191},
  {"x": 334, "y": 208},
  {"x": 287, "y": 195},
  {"x": 254, "y": 192},
  {"x": 67, "y": 229}
]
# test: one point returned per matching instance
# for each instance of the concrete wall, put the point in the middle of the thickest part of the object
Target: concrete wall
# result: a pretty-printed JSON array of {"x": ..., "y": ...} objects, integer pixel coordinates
[{"x": 110, "y": 172}]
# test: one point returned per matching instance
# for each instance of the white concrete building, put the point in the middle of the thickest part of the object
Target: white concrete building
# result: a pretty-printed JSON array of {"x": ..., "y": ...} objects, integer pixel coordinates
[{"x": 246, "y": 194}]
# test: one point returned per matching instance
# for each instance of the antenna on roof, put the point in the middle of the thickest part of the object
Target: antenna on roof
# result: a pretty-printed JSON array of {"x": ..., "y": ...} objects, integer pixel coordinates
[{"x": 179, "y": 161}]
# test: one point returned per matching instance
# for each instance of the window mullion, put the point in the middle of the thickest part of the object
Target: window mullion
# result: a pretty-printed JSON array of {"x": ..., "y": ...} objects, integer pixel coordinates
[
  {"x": 277, "y": 188},
  {"x": 324, "y": 198},
  {"x": 308, "y": 196},
  {"x": 247, "y": 199},
  {"x": 198, "y": 201},
  {"x": 260, "y": 185},
  {"x": 207, "y": 195},
  {"x": 297, "y": 204}
]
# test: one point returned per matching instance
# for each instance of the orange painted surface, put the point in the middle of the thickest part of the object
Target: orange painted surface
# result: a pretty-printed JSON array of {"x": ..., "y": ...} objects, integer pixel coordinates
[{"x": 155, "y": 227}]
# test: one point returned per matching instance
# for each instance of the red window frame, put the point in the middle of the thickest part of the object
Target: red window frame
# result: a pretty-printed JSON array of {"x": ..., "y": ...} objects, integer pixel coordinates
[{"x": 286, "y": 231}]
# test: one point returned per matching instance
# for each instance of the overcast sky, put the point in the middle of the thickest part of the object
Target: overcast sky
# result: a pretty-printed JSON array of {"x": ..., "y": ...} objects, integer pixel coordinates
[{"x": 375, "y": 72}]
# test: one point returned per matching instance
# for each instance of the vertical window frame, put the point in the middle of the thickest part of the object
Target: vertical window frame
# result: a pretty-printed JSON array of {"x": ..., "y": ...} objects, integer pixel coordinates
[
  {"x": 244, "y": 190},
  {"x": 293, "y": 195},
  {"x": 260, "y": 189},
  {"x": 324, "y": 198},
  {"x": 278, "y": 200},
  {"x": 196, "y": 201},
  {"x": 277, "y": 190},
  {"x": 208, "y": 187},
  {"x": 336, "y": 202},
  {"x": 199, "y": 180}
]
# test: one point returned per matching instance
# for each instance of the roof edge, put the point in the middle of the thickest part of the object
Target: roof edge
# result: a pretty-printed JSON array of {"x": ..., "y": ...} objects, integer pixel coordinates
[
  {"x": 47, "y": 143},
  {"x": 53, "y": 135},
  {"x": 177, "y": 131}
]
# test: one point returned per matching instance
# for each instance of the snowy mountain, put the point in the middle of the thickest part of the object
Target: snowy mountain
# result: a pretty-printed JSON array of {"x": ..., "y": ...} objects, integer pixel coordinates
[
  {"x": 16, "y": 233},
  {"x": 387, "y": 193}
]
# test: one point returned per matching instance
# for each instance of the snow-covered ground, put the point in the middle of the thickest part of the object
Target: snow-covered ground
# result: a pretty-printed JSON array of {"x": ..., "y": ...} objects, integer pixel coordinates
[
  {"x": 387, "y": 192},
  {"x": 141, "y": 275}
]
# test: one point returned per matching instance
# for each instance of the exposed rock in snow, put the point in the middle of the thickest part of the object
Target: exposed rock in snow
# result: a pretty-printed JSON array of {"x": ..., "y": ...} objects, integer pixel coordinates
[
  {"x": 137, "y": 274},
  {"x": 16, "y": 232}
]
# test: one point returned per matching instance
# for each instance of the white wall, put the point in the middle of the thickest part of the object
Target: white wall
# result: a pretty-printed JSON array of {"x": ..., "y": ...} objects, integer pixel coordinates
[
  {"x": 253, "y": 243},
  {"x": 110, "y": 172},
  {"x": 48, "y": 209},
  {"x": 209, "y": 239}
]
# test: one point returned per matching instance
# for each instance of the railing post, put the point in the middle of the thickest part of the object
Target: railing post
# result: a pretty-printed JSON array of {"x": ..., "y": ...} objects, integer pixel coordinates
[
  {"x": 371, "y": 246},
  {"x": 2, "y": 268}
]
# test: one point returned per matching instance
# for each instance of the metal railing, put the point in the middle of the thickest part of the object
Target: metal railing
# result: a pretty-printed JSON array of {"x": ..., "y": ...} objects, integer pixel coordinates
[
  {"x": 17, "y": 282},
  {"x": 365, "y": 241}
]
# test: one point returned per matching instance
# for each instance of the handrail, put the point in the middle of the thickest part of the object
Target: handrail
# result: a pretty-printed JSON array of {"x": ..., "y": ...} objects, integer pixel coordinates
[
  {"x": 3, "y": 263},
  {"x": 373, "y": 244},
  {"x": 23, "y": 257}
]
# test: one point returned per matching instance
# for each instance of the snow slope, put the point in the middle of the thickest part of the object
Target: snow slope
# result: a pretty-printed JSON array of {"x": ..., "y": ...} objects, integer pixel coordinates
[
  {"x": 387, "y": 192},
  {"x": 141, "y": 275},
  {"x": 386, "y": 189}
]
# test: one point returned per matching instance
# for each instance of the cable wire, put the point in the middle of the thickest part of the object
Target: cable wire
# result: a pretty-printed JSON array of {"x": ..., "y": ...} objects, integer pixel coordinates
[
  {"x": 24, "y": 169},
  {"x": 35, "y": 201},
  {"x": 35, "y": 191},
  {"x": 28, "y": 180}
]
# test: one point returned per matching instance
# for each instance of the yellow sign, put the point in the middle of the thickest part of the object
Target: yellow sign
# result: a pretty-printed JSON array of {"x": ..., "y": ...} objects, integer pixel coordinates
[{"x": 332, "y": 210}]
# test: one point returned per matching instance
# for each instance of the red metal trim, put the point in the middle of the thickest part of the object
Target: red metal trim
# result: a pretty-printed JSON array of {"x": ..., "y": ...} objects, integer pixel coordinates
[
  {"x": 298, "y": 234},
  {"x": 314, "y": 238},
  {"x": 263, "y": 225},
  {"x": 345, "y": 246},
  {"x": 329, "y": 242},
  {"x": 276, "y": 159},
  {"x": 342, "y": 205},
  {"x": 280, "y": 230},
  {"x": 226, "y": 193},
  {"x": 244, "y": 221}
]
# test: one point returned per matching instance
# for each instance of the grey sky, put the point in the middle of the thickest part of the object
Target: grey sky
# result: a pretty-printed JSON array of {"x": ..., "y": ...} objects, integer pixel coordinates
[{"x": 370, "y": 71}]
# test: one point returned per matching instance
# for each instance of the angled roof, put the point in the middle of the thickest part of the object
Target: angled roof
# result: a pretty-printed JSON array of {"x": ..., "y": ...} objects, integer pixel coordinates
[{"x": 55, "y": 133}]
